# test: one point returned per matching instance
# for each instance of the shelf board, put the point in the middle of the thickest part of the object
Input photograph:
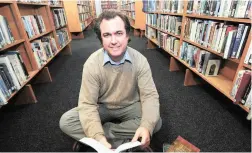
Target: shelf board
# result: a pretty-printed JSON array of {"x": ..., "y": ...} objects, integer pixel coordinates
[
  {"x": 40, "y": 35},
  {"x": 210, "y": 50},
  {"x": 243, "y": 107},
  {"x": 16, "y": 42},
  {"x": 159, "y": 12},
  {"x": 219, "y": 18},
  {"x": 247, "y": 66},
  {"x": 164, "y": 31}
]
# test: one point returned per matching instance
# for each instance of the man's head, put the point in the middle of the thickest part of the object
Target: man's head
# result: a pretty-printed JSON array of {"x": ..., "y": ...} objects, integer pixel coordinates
[{"x": 112, "y": 29}]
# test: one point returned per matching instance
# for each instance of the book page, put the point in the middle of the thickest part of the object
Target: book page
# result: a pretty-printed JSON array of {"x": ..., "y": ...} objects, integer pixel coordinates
[
  {"x": 127, "y": 145},
  {"x": 96, "y": 145}
]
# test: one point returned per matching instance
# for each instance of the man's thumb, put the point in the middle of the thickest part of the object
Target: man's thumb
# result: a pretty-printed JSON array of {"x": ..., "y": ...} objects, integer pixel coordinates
[{"x": 108, "y": 145}]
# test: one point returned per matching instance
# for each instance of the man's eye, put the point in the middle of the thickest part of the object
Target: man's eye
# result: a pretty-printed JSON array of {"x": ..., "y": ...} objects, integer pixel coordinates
[
  {"x": 119, "y": 33},
  {"x": 105, "y": 36}
]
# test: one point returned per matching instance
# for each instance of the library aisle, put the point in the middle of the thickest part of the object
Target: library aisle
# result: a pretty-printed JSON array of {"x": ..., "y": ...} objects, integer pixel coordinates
[{"x": 197, "y": 113}]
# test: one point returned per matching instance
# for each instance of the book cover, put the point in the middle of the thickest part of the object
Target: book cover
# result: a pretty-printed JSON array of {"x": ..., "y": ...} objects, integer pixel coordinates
[
  {"x": 181, "y": 145},
  {"x": 213, "y": 67}
]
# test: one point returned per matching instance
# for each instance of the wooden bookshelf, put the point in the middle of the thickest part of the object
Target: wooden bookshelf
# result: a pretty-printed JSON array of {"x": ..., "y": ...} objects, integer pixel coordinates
[
  {"x": 74, "y": 17},
  {"x": 13, "y": 11},
  {"x": 138, "y": 21},
  {"x": 225, "y": 80}
]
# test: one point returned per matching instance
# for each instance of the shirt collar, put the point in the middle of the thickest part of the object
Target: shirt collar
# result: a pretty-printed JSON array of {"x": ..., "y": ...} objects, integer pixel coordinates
[{"x": 107, "y": 59}]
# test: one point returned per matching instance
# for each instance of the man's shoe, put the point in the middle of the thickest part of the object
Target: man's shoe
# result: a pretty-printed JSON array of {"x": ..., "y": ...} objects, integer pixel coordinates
[{"x": 79, "y": 147}]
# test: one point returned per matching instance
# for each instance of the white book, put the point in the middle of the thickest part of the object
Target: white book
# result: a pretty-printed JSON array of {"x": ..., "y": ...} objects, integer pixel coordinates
[
  {"x": 213, "y": 67},
  {"x": 15, "y": 68},
  {"x": 241, "y": 8},
  {"x": 5, "y": 60},
  {"x": 228, "y": 43},
  {"x": 222, "y": 39},
  {"x": 3, "y": 100},
  {"x": 248, "y": 55},
  {"x": 5, "y": 30},
  {"x": 100, "y": 148}
]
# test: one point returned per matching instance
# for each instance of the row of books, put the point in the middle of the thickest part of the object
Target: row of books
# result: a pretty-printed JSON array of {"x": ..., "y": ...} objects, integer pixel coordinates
[
  {"x": 241, "y": 90},
  {"x": 221, "y": 8},
  {"x": 59, "y": 17},
  {"x": 169, "y": 43},
  {"x": 171, "y": 6},
  {"x": 83, "y": 2},
  {"x": 130, "y": 6},
  {"x": 222, "y": 37},
  {"x": 150, "y": 32},
  {"x": 54, "y": 2},
  {"x": 62, "y": 36},
  {"x": 127, "y": 1},
  {"x": 34, "y": 25},
  {"x": 112, "y": 4},
  {"x": 130, "y": 14},
  {"x": 31, "y": 1},
  {"x": 205, "y": 62},
  {"x": 13, "y": 74},
  {"x": 83, "y": 8},
  {"x": 44, "y": 49},
  {"x": 6, "y": 36},
  {"x": 171, "y": 24},
  {"x": 84, "y": 16}
]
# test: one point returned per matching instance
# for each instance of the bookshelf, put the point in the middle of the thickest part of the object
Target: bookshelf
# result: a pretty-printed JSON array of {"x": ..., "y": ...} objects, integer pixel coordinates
[
  {"x": 157, "y": 35},
  {"x": 41, "y": 20},
  {"x": 133, "y": 9},
  {"x": 80, "y": 14}
]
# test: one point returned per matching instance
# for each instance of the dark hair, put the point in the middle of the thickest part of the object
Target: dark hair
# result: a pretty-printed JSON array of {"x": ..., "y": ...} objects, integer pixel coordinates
[{"x": 107, "y": 15}]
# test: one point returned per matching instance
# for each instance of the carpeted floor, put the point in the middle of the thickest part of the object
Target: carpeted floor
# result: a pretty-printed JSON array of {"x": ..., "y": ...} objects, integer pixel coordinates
[{"x": 199, "y": 114}]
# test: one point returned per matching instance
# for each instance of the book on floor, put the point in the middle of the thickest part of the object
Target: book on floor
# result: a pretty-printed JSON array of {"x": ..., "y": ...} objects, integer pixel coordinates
[
  {"x": 180, "y": 145},
  {"x": 100, "y": 148}
]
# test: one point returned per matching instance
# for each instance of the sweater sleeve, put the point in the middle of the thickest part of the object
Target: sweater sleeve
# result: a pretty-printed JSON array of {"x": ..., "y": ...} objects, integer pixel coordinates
[
  {"x": 87, "y": 104},
  {"x": 149, "y": 97}
]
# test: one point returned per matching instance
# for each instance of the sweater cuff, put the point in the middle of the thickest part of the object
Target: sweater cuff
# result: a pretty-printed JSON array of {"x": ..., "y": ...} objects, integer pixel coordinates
[
  {"x": 98, "y": 136},
  {"x": 149, "y": 126}
]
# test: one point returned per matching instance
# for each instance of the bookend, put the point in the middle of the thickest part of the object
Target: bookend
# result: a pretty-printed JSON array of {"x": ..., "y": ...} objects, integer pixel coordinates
[
  {"x": 150, "y": 45},
  {"x": 44, "y": 76},
  {"x": 77, "y": 35},
  {"x": 191, "y": 79},
  {"x": 174, "y": 65},
  {"x": 25, "y": 96},
  {"x": 67, "y": 50}
]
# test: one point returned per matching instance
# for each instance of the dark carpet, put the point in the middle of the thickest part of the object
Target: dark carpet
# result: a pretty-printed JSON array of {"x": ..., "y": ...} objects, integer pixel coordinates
[{"x": 199, "y": 114}]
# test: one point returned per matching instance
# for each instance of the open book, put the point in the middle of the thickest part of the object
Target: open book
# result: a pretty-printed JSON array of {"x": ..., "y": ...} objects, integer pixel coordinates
[{"x": 100, "y": 148}]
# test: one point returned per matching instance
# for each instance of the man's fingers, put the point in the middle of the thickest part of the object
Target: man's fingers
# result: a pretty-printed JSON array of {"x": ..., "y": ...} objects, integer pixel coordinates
[
  {"x": 135, "y": 137},
  {"x": 108, "y": 145}
]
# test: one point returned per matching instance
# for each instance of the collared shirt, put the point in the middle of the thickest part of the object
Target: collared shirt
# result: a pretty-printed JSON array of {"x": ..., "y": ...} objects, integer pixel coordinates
[{"x": 107, "y": 59}]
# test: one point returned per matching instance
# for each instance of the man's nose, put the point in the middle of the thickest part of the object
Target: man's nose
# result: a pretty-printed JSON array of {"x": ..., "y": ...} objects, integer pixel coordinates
[{"x": 113, "y": 39}]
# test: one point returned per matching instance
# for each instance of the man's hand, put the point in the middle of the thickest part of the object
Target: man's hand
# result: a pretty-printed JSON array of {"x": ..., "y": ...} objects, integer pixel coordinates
[
  {"x": 104, "y": 141},
  {"x": 143, "y": 133}
]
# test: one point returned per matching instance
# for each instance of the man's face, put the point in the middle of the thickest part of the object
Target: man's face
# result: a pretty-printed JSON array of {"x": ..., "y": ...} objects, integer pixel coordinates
[{"x": 114, "y": 37}]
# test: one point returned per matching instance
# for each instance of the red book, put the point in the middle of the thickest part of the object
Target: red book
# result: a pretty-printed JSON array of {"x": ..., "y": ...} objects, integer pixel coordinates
[
  {"x": 246, "y": 78},
  {"x": 182, "y": 145}
]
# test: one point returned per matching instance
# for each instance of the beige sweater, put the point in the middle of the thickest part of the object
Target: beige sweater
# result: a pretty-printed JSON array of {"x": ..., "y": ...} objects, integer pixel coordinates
[{"x": 117, "y": 87}]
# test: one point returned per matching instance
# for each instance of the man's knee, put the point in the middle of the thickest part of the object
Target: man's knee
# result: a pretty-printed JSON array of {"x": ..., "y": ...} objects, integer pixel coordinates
[{"x": 66, "y": 121}]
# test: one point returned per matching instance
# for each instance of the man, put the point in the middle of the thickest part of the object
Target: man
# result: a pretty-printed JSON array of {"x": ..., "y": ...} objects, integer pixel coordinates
[{"x": 116, "y": 85}]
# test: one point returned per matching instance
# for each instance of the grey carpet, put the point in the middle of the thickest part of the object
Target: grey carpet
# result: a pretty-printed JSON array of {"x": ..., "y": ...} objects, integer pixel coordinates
[{"x": 199, "y": 114}]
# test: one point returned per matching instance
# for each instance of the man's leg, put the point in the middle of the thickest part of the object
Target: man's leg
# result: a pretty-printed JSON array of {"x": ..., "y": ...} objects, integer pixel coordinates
[
  {"x": 130, "y": 119},
  {"x": 70, "y": 122}
]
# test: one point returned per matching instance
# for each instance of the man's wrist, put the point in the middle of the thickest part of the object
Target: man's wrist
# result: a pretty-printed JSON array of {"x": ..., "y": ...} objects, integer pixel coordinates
[{"x": 98, "y": 137}]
